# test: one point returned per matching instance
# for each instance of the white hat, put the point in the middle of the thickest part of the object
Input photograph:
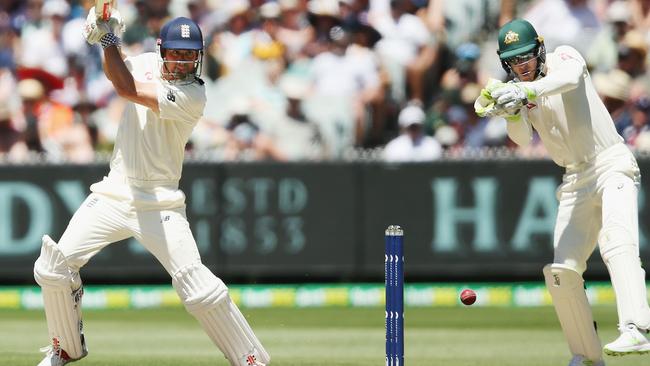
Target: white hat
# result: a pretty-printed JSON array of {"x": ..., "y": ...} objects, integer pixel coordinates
[
  {"x": 619, "y": 11},
  {"x": 270, "y": 10},
  {"x": 411, "y": 115},
  {"x": 324, "y": 7},
  {"x": 446, "y": 135},
  {"x": 30, "y": 89},
  {"x": 614, "y": 84},
  {"x": 236, "y": 7},
  {"x": 294, "y": 87},
  {"x": 240, "y": 105},
  {"x": 56, "y": 8},
  {"x": 288, "y": 4}
]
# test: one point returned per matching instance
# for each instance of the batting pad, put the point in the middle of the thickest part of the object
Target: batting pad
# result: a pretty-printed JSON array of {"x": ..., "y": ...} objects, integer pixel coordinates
[
  {"x": 62, "y": 292},
  {"x": 621, "y": 257},
  {"x": 566, "y": 287},
  {"x": 206, "y": 297}
]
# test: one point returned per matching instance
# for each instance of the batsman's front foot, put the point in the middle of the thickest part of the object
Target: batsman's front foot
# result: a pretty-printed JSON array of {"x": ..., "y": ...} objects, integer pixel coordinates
[
  {"x": 55, "y": 356},
  {"x": 579, "y": 360},
  {"x": 631, "y": 341}
]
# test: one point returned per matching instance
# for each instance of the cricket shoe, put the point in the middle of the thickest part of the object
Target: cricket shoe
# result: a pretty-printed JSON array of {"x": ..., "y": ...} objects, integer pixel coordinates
[
  {"x": 579, "y": 360},
  {"x": 631, "y": 341},
  {"x": 55, "y": 356}
]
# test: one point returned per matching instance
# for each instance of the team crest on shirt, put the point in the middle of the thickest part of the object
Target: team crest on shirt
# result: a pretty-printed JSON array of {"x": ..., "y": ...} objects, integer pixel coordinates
[
  {"x": 511, "y": 37},
  {"x": 170, "y": 96}
]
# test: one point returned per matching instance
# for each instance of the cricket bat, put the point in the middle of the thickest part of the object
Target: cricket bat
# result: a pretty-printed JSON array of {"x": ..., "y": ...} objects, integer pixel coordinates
[{"x": 103, "y": 9}]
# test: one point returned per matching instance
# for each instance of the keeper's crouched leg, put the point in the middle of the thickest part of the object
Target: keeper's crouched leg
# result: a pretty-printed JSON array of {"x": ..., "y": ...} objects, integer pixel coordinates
[
  {"x": 206, "y": 297},
  {"x": 62, "y": 291}
]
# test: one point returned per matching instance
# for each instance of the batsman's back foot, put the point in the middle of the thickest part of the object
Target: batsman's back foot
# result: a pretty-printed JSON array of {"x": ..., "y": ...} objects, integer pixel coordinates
[
  {"x": 57, "y": 357},
  {"x": 631, "y": 341},
  {"x": 579, "y": 360}
]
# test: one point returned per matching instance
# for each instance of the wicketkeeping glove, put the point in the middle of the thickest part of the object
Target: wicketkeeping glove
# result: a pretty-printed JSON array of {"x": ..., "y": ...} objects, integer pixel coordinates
[
  {"x": 95, "y": 29},
  {"x": 512, "y": 95}
]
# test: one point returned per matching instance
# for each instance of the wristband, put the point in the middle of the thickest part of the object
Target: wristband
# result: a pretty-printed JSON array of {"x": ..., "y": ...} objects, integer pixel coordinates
[{"x": 110, "y": 39}]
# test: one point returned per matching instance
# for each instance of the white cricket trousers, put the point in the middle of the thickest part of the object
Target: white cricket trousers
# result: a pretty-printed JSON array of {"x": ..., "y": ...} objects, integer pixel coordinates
[
  {"x": 102, "y": 220},
  {"x": 594, "y": 197}
]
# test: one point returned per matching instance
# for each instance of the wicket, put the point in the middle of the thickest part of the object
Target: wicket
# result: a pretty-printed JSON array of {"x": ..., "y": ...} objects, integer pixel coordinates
[{"x": 394, "y": 282}]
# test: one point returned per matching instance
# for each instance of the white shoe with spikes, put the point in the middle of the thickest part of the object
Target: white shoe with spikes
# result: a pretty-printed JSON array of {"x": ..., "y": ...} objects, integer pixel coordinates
[{"x": 631, "y": 341}]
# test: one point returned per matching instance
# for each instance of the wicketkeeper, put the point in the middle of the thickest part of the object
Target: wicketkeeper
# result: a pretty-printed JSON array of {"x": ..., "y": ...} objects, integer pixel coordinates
[
  {"x": 140, "y": 196},
  {"x": 553, "y": 93}
]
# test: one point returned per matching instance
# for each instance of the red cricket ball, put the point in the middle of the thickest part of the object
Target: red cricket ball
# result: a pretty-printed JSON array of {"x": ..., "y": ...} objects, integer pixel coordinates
[{"x": 468, "y": 297}]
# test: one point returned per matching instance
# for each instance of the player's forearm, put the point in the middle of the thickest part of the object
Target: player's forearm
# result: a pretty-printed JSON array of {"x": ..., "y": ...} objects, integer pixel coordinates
[
  {"x": 117, "y": 72},
  {"x": 559, "y": 81}
]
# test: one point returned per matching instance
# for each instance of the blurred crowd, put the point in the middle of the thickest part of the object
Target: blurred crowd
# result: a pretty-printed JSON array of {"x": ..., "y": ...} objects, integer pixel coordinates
[{"x": 296, "y": 80}]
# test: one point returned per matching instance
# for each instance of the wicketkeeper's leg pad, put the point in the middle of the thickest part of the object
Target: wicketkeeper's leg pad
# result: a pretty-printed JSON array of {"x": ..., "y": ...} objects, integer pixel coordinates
[
  {"x": 62, "y": 291},
  {"x": 206, "y": 297},
  {"x": 621, "y": 256},
  {"x": 566, "y": 287}
]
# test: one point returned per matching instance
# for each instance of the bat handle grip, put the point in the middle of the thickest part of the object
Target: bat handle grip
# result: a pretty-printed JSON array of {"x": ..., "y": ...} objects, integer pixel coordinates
[{"x": 106, "y": 11}]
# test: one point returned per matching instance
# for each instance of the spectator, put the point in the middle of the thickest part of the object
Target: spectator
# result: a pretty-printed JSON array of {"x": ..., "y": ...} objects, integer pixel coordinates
[
  {"x": 31, "y": 93},
  {"x": 406, "y": 47},
  {"x": 447, "y": 136},
  {"x": 79, "y": 140},
  {"x": 564, "y": 22},
  {"x": 632, "y": 54},
  {"x": 643, "y": 142},
  {"x": 473, "y": 127},
  {"x": 640, "y": 116},
  {"x": 266, "y": 45},
  {"x": 236, "y": 41},
  {"x": 337, "y": 102},
  {"x": 12, "y": 144},
  {"x": 613, "y": 88},
  {"x": 247, "y": 143},
  {"x": 323, "y": 15},
  {"x": 412, "y": 144},
  {"x": 43, "y": 47},
  {"x": 641, "y": 15},
  {"x": 371, "y": 86},
  {"x": 603, "y": 52},
  {"x": 299, "y": 137},
  {"x": 47, "y": 120},
  {"x": 295, "y": 32}
]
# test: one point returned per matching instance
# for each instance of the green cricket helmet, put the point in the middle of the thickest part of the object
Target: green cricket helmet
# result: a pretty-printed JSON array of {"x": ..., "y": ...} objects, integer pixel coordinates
[{"x": 517, "y": 39}]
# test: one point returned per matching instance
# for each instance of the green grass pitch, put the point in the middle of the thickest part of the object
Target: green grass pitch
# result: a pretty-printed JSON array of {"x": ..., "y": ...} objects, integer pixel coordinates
[{"x": 471, "y": 336}]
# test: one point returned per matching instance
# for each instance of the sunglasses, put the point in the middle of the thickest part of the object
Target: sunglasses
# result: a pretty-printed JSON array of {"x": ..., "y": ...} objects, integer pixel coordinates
[{"x": 520, "y": 59}]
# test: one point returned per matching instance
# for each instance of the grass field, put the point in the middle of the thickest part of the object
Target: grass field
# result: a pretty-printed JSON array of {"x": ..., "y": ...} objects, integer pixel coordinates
[{"x": 318, "y": 336}]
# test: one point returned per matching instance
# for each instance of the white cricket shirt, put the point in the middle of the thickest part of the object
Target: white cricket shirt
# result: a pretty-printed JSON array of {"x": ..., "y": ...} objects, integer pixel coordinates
[
  {"x": 149, "y": 149},
  {"x": 403, "y": 148},
  {"x": 568, "y": 114}
]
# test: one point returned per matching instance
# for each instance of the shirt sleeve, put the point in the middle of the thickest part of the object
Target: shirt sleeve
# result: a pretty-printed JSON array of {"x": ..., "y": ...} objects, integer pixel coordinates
[
  {"x": 136, "y": 64},
  {"x": 567, "y": 68},
  {"x": 181, "y": 103}
]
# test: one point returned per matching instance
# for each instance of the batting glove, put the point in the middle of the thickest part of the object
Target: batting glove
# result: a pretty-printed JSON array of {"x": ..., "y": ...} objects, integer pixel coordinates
[
  {"x": 95, "y": 29},
  {"x": 486, "y": 106},
  {"x": 513, "y": 95}
]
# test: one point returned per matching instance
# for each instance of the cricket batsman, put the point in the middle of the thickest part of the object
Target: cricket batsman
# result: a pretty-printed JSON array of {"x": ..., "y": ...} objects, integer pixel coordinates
[
  {"x": 140, "y": 196},
  {"x": 553, "y": 93}
]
